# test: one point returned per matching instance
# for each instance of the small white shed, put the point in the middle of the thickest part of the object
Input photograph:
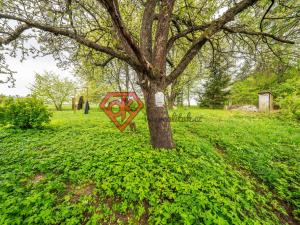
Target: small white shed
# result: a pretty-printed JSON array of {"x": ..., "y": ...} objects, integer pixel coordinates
[{"x": 265, "y": 99}]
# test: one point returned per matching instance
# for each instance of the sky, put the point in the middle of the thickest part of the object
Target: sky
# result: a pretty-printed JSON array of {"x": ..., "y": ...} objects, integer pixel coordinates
[{"x": 26, "y": 71}]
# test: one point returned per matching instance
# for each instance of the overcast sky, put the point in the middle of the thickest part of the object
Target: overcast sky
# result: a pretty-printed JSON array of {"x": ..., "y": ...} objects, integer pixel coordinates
[{"x": 26, "y": 71}]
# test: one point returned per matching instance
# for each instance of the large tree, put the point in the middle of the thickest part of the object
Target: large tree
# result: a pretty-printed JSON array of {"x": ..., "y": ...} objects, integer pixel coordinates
[{"x": 143, "y": 32}]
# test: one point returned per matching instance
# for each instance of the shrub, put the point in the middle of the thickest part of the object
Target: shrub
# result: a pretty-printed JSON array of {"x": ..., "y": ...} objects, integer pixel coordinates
[
  {"x": 290, "y": 106},
  {"x": 2, "y": 114},
  {"x": 281, "y": 85},
  {"x": 2, "y": 98},
  {"x": 25, "y": 113},
  {"x": 289, "y": 98}
]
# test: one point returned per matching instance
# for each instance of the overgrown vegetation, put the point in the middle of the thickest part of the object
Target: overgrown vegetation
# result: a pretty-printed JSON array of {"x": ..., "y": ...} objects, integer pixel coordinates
[
  {"x": 285, "y": 87},
  {"x": 2, "y": 113},
  {"x": 231, "y": 168},
  {"x": 156, "y": 43},
  {"x": 24, "y": 113}
]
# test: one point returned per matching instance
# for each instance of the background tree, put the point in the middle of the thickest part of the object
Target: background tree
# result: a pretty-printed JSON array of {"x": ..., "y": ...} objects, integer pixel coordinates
[
  {"x": 216, "y": 87},
  {"x": 182, "y": 85},
  {"x": 142, "y": 33},
  {"x": 115, "y": 75},
  {"x": 51, "y": 88}
]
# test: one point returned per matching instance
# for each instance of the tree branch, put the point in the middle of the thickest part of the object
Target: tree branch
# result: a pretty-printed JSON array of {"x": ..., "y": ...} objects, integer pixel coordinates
[
  {"x": 255, "y": 33},
  {"x": 214, "y": 27},
  {"x": 184, "y": 33},
  {"x": 112, "y": 8},
  {"x": 103, "y": 64},
  {"x": 146, "y": 31},
  {"x": 80, "y": 39},
  {"x": 264, "y": 16},
  {"x": 162, "y": 32},
  {"x": 13, "y": 36}
]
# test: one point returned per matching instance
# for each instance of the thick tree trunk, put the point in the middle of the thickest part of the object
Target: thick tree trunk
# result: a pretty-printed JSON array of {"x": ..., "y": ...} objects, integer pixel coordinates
[{"x": 158, "y": 121}]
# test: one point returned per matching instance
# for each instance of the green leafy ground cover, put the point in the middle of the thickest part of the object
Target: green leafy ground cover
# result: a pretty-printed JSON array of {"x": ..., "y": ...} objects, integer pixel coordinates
[{"x": 230, "y": 168}]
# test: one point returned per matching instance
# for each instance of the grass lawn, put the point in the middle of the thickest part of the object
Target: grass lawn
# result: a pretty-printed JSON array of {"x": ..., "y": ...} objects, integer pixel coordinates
[{"x": 229, "y": 168}]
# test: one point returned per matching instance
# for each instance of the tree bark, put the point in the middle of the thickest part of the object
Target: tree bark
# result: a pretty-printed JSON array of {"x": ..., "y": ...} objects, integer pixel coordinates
[
  {"x": 188, "y": 95},
  {"x": 127, "y": 77},
  {"x": 171, "y": 100},
  {"x": 58, "y": 107},
  {"x": 180, "y": 99},
  {"x": 158, "y": 121}
]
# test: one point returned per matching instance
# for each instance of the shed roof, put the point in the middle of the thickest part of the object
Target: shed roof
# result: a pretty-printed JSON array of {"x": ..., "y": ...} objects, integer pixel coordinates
[{"x": 265, "y": 92}]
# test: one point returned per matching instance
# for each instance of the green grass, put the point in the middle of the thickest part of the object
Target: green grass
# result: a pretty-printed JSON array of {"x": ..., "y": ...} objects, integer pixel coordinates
[{"x": 230, "y": 168}]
